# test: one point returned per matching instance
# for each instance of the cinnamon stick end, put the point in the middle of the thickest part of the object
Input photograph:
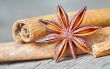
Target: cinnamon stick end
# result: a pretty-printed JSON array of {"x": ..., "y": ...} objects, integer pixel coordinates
[{"x": 101, "y": 49}]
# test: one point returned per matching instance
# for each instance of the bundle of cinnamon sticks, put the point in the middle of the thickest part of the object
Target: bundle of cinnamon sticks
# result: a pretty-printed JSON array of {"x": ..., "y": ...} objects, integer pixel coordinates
[{"x": 26, "y": 31}]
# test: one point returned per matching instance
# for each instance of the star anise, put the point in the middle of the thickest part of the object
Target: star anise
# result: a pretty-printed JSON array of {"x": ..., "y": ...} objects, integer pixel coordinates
[{"x": 67, "y": 32}]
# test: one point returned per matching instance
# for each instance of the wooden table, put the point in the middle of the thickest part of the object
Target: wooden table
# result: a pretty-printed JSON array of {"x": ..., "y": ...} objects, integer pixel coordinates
[{"x": 82, "y": 62}]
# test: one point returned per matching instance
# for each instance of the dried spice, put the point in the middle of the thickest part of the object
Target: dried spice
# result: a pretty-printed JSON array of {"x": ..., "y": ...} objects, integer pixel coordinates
[{"x": 68, "y": 33}]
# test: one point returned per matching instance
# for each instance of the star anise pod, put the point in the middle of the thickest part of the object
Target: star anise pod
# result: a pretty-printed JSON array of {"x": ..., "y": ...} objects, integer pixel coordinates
[{"x": 68, "y": 33}]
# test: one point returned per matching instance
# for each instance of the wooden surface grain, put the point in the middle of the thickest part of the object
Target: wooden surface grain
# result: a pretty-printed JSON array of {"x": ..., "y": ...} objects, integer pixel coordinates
[{"x": 82, "y": 62}]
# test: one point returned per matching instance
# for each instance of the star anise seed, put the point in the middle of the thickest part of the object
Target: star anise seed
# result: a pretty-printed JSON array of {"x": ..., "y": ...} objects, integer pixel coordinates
[{"x": 68, "y": 32}]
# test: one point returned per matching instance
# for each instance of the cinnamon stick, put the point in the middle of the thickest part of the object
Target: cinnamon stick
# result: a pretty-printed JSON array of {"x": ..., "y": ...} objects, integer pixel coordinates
[
  {"x": 28, "y": 30},
  {"x": 101, "y": 49},
  {"x": 14, "y": 51}
]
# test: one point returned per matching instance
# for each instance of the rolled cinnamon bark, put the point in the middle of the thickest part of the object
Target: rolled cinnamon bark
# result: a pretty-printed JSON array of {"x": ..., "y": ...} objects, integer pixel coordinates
[
  {"x": 28, "y": 30},
  {"x": 13, "y": 51},
  {"x": 101, "y": 49}
]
